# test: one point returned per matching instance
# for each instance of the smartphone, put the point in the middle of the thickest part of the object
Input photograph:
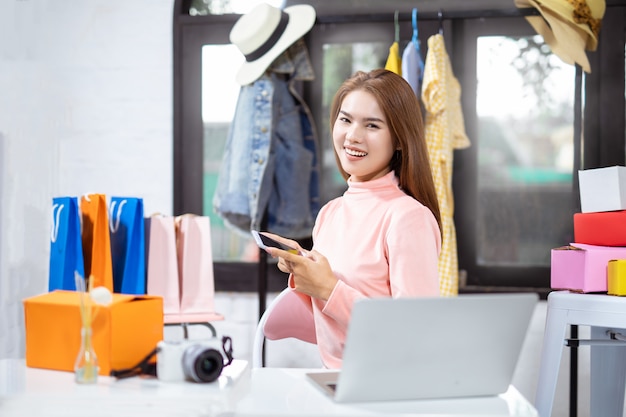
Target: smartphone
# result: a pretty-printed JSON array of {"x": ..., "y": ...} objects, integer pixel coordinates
[{"x": 266, "y": 242}]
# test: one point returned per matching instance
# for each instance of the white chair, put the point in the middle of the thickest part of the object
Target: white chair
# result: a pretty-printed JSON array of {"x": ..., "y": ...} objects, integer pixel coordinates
[
  {"x": 606, "y": 316},
  {"x": 286, "y": 316}
]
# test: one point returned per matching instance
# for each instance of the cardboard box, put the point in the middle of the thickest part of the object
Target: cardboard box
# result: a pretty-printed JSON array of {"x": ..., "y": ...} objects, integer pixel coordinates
[
  {"x": 582, "y": 268},
  {"x": 603, "y": 229},
  {"x": 602, "y": 189},
  {"x": 617, "y": 277},
  {"x": 124, "y": 332}
]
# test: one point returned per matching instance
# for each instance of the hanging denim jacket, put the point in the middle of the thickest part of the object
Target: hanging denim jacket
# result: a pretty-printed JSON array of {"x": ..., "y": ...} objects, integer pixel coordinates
[{"x": 270, "y": 164}]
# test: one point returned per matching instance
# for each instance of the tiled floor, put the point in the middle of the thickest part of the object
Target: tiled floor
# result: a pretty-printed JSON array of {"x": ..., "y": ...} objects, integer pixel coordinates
[{"x": 241, "y": 311}]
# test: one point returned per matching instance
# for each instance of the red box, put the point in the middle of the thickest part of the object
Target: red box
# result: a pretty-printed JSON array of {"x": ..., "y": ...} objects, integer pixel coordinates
[{"x": 606, "y": 228}]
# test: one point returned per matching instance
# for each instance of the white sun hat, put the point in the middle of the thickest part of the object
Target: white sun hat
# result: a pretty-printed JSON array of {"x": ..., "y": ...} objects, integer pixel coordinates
[
  {"x": 569, "y": 27},
  {"x": 266, "y": 32}
]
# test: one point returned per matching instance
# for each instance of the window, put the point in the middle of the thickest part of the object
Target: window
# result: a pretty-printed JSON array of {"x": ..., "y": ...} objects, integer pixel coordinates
[{"x": 515, "y": 188}]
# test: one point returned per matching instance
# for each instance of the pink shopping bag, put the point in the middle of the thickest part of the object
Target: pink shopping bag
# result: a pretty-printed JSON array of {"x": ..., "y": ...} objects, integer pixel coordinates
[
  {"x": 162, "y": 273},
  {"x": 195, "y": 269}
]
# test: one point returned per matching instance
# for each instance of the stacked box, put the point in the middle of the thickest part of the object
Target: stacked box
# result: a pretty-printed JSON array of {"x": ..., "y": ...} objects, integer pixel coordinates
[
  {"x": 599, "y": 235},
  {"x": 582, "y": 268},
  {"x": 124, "y": 332}
]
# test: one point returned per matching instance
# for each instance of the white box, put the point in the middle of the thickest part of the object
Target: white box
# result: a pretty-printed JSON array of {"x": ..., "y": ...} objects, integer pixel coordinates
[{"x": 602, "y": 189}]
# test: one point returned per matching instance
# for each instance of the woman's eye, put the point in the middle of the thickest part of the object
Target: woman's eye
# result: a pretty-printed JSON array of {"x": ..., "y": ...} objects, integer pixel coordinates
[
  {"x": 344, "y": 120},
  {"x": 372, "y": 126}
]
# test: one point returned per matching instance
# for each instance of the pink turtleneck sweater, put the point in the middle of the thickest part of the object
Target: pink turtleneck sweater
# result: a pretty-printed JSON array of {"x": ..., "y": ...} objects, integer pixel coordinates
[{"x": 379, "y": 242}]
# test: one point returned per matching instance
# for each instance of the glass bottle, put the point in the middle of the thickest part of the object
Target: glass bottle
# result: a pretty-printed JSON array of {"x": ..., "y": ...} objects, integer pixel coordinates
[{"x": 86, "y": 365}]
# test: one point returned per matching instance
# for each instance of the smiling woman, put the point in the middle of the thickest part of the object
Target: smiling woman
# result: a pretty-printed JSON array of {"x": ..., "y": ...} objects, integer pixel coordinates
[{"x": 382, "y": 237}]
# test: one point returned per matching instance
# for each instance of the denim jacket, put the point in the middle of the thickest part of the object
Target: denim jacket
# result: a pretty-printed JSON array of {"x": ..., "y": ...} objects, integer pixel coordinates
[{"x": 270, "y": 164}]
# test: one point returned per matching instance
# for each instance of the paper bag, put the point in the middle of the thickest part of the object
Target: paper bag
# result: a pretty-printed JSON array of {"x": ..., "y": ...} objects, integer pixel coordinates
[
  {"x": 66, "y": 248},
  {"x": 96, "y": 240},
  {"x": 126, "y": 226},
  {"x": 162, "y": 273},
  {"x": 195, "y": 268}
]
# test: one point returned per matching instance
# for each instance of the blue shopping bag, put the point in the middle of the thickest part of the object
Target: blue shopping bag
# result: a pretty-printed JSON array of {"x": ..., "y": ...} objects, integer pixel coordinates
[
  {"x": 66, "y": 247},
  {"x": 128, "y": 245}
]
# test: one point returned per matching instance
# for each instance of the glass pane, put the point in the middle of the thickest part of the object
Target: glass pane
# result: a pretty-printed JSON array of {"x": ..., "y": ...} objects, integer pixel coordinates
[
  {"x": 524, "y": 100},
  {"x": 341, "y": 60},
  {"x": 219, "y": 98},
  {"x": 207, "y": 7}
]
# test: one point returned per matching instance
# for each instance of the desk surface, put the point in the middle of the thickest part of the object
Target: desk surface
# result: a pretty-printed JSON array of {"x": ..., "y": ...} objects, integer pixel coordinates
[{"x": 239, "y": 391}]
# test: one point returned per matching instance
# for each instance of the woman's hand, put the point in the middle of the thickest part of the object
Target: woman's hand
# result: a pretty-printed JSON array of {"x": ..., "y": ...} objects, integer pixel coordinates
[{"x": 311, "y": 271}]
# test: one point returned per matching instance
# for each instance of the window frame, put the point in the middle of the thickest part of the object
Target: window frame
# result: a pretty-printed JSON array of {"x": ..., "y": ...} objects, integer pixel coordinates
[{"x": 603, "y": 114}]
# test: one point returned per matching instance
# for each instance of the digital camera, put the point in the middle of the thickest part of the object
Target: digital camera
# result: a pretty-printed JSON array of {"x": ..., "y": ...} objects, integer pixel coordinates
[{"x": 193, "y": 360}]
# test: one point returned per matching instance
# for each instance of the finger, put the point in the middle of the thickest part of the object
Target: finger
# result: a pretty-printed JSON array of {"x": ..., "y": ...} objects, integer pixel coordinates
[{"x": 286, "y": 255}]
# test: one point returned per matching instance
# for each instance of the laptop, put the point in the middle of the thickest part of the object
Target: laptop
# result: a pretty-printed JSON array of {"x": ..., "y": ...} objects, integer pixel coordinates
[{"x": 430, "y": 348}]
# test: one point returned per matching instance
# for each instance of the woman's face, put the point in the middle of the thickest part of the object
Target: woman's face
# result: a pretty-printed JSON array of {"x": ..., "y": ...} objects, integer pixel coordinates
[{"x": 362, "y": 137}]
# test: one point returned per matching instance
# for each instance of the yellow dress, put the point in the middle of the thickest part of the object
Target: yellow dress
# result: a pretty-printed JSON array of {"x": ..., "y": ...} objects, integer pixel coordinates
[
  {"x": 445, "y": 131},
  {"x": 394, "y": 61}
]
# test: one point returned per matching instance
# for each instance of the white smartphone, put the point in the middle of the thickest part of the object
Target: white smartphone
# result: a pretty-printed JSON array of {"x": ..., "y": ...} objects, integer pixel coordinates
[{"x": 266, "y": 242}]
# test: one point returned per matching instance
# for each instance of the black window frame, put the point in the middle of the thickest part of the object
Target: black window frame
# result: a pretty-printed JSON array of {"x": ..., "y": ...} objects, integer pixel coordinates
[{"x": 603, "y": 121}]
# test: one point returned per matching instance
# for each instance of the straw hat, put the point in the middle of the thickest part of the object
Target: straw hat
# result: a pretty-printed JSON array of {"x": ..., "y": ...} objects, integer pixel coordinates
[
  {"x": 266, "y": 32},
  {"x": 569, "y": 27}
]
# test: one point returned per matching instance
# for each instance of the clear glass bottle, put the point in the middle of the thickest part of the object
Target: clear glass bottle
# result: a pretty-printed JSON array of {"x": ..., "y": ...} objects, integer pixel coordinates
[{"x": 86, "y": 365}]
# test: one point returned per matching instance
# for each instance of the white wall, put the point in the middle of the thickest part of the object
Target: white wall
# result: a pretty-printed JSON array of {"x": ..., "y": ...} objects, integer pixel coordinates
[{"x": 85, "y": 106}]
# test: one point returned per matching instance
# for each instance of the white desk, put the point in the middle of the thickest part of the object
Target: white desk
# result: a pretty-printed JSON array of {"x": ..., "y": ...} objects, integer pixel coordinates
[{"x": 239, "y": 392}]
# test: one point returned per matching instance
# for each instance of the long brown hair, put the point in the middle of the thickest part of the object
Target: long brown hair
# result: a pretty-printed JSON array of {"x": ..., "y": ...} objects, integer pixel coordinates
[{"x": 410, "y": 163}]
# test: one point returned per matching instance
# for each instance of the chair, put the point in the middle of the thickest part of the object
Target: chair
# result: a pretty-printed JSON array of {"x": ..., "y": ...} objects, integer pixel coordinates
[
  {"x": 606, "y": 316},
  {"x": 286, "y": 316}
]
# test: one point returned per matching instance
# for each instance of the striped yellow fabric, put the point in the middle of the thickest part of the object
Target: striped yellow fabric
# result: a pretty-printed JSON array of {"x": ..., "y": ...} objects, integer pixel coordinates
[{"x": 445, "y": 131}]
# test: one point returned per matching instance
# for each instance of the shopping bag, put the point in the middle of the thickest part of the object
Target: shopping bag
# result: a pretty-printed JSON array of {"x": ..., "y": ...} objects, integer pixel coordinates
[
  {"x": 195, "y": 269},
  {"x": 66, "y": 247},
  {"x": 162, "y": 271},
  {"x": 96, "y": 240},
  {"x": 126, "y": 227}
]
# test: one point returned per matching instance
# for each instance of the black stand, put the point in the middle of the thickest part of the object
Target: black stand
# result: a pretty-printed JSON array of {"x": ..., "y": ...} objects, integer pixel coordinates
[
  {"x": 573, "y": 367},
  {"x": 262, "y": 283}
]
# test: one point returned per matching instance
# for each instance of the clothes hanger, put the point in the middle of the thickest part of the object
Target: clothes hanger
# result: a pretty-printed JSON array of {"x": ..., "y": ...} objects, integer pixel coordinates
[
  {"x": 416, "y": 43},
  {"x": 396, "y": 26},
  {"x": 415, "y": 38},
  {"x": 440, "y": 17}
]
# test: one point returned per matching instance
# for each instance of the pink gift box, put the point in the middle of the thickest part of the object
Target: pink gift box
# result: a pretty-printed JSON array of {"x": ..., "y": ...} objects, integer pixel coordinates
[{"x": 581, "y": 267}]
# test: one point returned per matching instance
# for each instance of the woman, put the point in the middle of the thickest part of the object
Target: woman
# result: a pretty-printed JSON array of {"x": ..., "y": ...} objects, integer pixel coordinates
[{"x": 382, "y": 238}]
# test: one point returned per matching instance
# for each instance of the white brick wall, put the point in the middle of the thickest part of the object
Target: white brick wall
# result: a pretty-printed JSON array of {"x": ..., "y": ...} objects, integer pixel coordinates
[{"x": 85, "y": 106}]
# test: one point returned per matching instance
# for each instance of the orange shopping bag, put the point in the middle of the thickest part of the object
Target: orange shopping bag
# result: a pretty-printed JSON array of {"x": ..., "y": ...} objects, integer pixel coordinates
[{"x": 96, "y": 240}]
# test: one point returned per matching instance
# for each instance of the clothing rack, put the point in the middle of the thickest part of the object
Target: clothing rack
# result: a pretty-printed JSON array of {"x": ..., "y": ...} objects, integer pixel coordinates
[
  {"x": 441, "y": 14},
  {"x": 262, "y": 276}
]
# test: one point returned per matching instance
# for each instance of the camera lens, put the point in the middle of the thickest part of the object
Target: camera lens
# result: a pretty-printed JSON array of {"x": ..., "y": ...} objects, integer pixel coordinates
[{"x": 202, "y": 364}]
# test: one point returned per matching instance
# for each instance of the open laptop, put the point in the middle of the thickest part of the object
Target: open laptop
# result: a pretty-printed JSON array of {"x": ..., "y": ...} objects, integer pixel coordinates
[{"x": 430, "y": 348}]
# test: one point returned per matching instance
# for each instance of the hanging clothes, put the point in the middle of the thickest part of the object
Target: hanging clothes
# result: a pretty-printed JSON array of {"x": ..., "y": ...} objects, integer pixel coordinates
[
  {"x": 394, "y": 61},
  {"x": 412, "y": 68},
  {"x": 412, "y": 62},
  {"x": 445, "y": 131},
  {"x": 270, "y": 165}
]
